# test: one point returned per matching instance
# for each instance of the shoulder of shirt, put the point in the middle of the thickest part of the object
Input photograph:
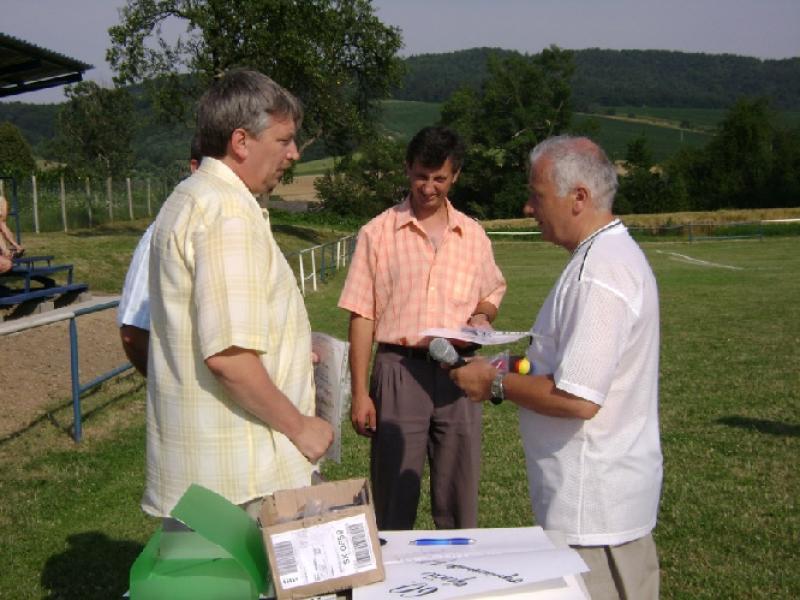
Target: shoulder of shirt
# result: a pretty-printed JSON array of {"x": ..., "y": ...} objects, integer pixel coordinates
[
  {"x": 213, "y": 178},
  {"x": 395, "y": 217},
  {"x": 466, "y": 223}
]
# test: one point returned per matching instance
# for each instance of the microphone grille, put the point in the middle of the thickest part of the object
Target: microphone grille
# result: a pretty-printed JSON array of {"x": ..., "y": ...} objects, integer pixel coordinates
[{"x": 442, "y": 350}]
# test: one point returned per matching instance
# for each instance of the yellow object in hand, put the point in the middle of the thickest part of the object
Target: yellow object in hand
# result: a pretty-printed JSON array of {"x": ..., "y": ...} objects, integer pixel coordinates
[{"x": 523, "y": 366}]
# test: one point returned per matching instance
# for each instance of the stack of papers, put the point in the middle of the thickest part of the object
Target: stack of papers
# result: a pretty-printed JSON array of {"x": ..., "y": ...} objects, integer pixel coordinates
[{"x": 503, "y": 563}]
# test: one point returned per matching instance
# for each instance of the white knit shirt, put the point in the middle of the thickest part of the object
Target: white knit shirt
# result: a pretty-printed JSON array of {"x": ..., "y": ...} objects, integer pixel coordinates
[{"x": 598, "y": 481}]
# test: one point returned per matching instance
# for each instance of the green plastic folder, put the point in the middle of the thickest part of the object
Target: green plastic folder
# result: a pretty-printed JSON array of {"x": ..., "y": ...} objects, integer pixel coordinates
[{"x": 223, "y": 557}]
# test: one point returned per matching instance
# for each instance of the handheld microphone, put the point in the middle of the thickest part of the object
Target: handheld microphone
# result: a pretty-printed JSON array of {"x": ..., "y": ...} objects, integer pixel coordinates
[{"x": 443, "y": 351}]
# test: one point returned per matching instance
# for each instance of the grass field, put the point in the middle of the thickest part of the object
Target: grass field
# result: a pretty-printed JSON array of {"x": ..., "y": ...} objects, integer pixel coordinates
[{"x": 70, "y": 524}]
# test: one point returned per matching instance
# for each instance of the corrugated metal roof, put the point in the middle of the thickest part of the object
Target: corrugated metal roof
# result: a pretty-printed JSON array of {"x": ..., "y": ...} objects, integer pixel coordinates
[{"x": 25, "y": 67}]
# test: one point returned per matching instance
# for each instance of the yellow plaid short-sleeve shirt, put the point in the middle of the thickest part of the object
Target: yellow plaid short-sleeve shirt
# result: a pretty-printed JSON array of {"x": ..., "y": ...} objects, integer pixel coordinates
[
  {"x": 217, "y": 280},
  {"x": 399, "y": 280}
]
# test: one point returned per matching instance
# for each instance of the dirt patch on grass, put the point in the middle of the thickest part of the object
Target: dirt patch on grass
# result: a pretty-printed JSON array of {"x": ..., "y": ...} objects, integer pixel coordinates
[
  {"x": 35, "y": 366},
  {"x": 302, "y": 188}
]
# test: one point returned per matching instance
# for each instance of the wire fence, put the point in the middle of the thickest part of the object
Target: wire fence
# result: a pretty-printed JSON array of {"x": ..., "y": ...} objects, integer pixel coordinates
[{"x": 62, "y": 205}]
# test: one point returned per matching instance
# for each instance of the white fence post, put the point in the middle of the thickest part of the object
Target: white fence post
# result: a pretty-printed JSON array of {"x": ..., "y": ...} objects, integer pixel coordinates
[
  {"x": 313, "y": 270},
  {"x": 130, "y": 197},
  {"x": 35, "y": 204},
  {"x": 89, "y": 200},
  {"x": 63, "y": 204},
  {"x": 110, "y": 201}
]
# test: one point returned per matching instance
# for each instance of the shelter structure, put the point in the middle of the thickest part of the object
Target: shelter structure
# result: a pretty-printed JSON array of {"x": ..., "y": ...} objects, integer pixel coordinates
[{"x": 25, "y": 67}]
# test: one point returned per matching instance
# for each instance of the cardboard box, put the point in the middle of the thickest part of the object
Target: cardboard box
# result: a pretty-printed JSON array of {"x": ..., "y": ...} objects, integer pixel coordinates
[
  {"x": 223, "y": 557},
  {"x": 321, "y": 539}
]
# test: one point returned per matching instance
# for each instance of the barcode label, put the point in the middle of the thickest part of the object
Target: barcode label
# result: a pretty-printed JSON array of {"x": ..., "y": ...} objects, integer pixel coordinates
[
  {"x": 322, "y": 552},
  {"x": 358, "y": 537},
  {"x": 286, "y": 561}
]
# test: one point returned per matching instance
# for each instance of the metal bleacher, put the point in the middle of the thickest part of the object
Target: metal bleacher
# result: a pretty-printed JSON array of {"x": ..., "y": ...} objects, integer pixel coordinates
[
  {"x": 32, "y": 280},
  {"x": 34, "y": 283}
]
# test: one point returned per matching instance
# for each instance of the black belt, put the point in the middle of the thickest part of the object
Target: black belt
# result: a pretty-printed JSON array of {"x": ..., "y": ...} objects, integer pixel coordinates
[{"x": 422, "y": 353}]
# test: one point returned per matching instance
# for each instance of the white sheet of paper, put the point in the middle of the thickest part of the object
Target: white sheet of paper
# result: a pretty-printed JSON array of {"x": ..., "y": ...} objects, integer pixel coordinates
[
  {"x": 476, "y": 335},
  {"x": 331, "y": 378},
  {"x": 503, "y": 562}
]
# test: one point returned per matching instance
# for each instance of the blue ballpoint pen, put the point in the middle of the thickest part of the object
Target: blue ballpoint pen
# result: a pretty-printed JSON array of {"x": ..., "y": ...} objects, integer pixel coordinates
[{"x": 459, "y": 541}]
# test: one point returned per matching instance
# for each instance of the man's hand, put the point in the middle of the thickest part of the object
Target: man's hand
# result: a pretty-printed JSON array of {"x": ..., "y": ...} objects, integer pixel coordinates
[
  {"x": 362, "y": 415},
  {"x": 475, "y": 378},
  {"x": 314, "y": 438}
]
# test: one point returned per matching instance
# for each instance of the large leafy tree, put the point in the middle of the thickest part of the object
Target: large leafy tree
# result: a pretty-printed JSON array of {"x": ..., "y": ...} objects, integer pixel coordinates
[
  {"x": 15, "y": 153},
  {"x": 96, "y": 129},
  {"x": 333, "y": 54},
  {"x": 525, "y": 100},
  {"x": 366, "y": 183}
]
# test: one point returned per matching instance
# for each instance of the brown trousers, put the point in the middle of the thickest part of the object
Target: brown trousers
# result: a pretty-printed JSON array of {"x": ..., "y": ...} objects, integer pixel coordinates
[{"x": 420, "y": 414}]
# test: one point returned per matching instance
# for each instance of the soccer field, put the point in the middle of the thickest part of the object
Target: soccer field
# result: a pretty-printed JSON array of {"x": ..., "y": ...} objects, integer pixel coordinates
[{"x": 71, "y": 525}]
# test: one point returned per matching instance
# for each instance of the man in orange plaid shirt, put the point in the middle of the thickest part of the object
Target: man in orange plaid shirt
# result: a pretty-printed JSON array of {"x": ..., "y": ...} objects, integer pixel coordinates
[{"x": 418, "y": 265}]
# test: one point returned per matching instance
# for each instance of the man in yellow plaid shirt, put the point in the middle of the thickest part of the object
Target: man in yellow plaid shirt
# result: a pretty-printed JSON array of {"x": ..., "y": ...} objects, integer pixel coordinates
[{"x": 230, "y": 399}]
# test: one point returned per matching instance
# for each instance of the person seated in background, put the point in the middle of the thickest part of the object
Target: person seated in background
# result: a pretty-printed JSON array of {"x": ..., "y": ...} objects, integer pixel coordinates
[
  {"x": 5, "y": 264},
  {"x": 5, "y": 233}
]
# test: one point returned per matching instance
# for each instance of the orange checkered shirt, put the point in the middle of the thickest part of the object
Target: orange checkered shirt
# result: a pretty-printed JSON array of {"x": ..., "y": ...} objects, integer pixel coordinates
[{"x": 399, "y": 280}]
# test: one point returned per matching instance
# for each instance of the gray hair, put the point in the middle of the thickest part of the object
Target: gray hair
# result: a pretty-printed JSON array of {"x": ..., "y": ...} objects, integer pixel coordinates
[
  {"x": 242, "y": 99},
  {"x": 578, "y": 160}
]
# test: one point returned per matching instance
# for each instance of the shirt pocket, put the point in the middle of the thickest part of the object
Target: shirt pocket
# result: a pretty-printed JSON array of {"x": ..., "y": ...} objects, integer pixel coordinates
[
  {"x": 463, "y": 288},
  {"x": 542, "y": 354}
]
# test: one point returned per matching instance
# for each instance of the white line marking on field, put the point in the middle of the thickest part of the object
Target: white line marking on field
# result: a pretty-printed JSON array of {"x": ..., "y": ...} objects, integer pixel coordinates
[{"x": 697, "y": 261}]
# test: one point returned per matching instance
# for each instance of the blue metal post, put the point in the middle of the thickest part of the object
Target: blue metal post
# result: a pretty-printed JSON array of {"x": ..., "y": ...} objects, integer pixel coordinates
[{"x": 76, "y": 391}]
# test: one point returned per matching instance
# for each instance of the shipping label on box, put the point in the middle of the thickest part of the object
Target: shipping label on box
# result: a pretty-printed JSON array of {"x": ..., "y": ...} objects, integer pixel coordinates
[
  {"x": 334, "y": 549},
  {"x": 326, "y": 551}
]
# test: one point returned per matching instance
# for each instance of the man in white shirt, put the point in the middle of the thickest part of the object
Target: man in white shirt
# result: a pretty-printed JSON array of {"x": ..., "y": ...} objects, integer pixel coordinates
[
  {"x": 589, "y": 408},
  {"x": 133, "y": 313}
]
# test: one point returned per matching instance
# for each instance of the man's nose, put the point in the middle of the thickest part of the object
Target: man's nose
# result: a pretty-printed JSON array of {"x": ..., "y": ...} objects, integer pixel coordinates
[
  {"x": 528, "y": 209},
  {"x": 293, "y": 152}
]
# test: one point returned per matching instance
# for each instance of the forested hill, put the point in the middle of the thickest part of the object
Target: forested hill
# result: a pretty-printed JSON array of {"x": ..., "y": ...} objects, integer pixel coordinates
[{"x": 655, "y": 78}]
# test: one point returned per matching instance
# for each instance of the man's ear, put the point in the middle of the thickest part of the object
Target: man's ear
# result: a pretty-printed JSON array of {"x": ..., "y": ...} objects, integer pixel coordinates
[
  {"x": 238, "y": 143},
  {"x": 455, "y": 175},
  {"x": 580, "y": 198}
]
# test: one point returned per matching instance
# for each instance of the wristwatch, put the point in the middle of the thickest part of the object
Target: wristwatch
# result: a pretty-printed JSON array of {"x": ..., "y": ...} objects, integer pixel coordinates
[{"x": 497, "y": 389}]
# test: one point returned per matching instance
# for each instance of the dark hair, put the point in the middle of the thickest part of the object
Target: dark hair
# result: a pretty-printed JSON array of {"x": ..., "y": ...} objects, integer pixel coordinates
[
  {"x": 433, "y": 145},
  {"x": 195, "y": 149},
  {"x": 241, "y": 98}
]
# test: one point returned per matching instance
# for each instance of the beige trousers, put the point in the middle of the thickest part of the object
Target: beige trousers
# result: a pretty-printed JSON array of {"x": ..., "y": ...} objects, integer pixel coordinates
[{"x": 626, "y": 572}]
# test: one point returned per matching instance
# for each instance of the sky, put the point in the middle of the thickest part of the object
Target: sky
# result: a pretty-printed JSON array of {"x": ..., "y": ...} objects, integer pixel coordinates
[{"x": 767, "y": 29}]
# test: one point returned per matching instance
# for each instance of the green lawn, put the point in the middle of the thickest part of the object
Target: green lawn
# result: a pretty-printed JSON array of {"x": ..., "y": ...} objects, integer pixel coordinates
[{"x": 70, "y": 525}]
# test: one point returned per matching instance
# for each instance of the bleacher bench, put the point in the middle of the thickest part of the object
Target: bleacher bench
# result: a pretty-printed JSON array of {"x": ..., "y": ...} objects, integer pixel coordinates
[
  {"x": 43, "y": 293},
  {"x": 24, "y": 269}
]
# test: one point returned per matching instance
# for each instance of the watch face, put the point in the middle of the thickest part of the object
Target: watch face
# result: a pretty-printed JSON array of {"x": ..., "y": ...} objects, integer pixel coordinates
[{"x": 497, "y": 386}]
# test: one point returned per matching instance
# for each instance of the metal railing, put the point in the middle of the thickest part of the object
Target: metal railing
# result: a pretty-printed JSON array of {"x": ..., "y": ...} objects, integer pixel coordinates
[{"x": 333, "y": 256}]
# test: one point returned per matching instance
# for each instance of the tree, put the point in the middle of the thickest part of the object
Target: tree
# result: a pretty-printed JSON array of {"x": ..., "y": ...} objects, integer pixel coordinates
[
  {"x": 15, "y": 153},
  {"x": 335, "y": 55},
  {"x": 365, "y": 184},
  {"x": 525, "y": 100},
  {"x": 96, "y": 128},
  {"x": 750, "y": 163}
]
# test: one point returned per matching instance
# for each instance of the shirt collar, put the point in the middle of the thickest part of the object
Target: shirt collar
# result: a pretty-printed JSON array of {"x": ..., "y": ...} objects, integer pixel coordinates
[
  {"x": 217, "y": 168},
  {"x": 405, "y": 216}
]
